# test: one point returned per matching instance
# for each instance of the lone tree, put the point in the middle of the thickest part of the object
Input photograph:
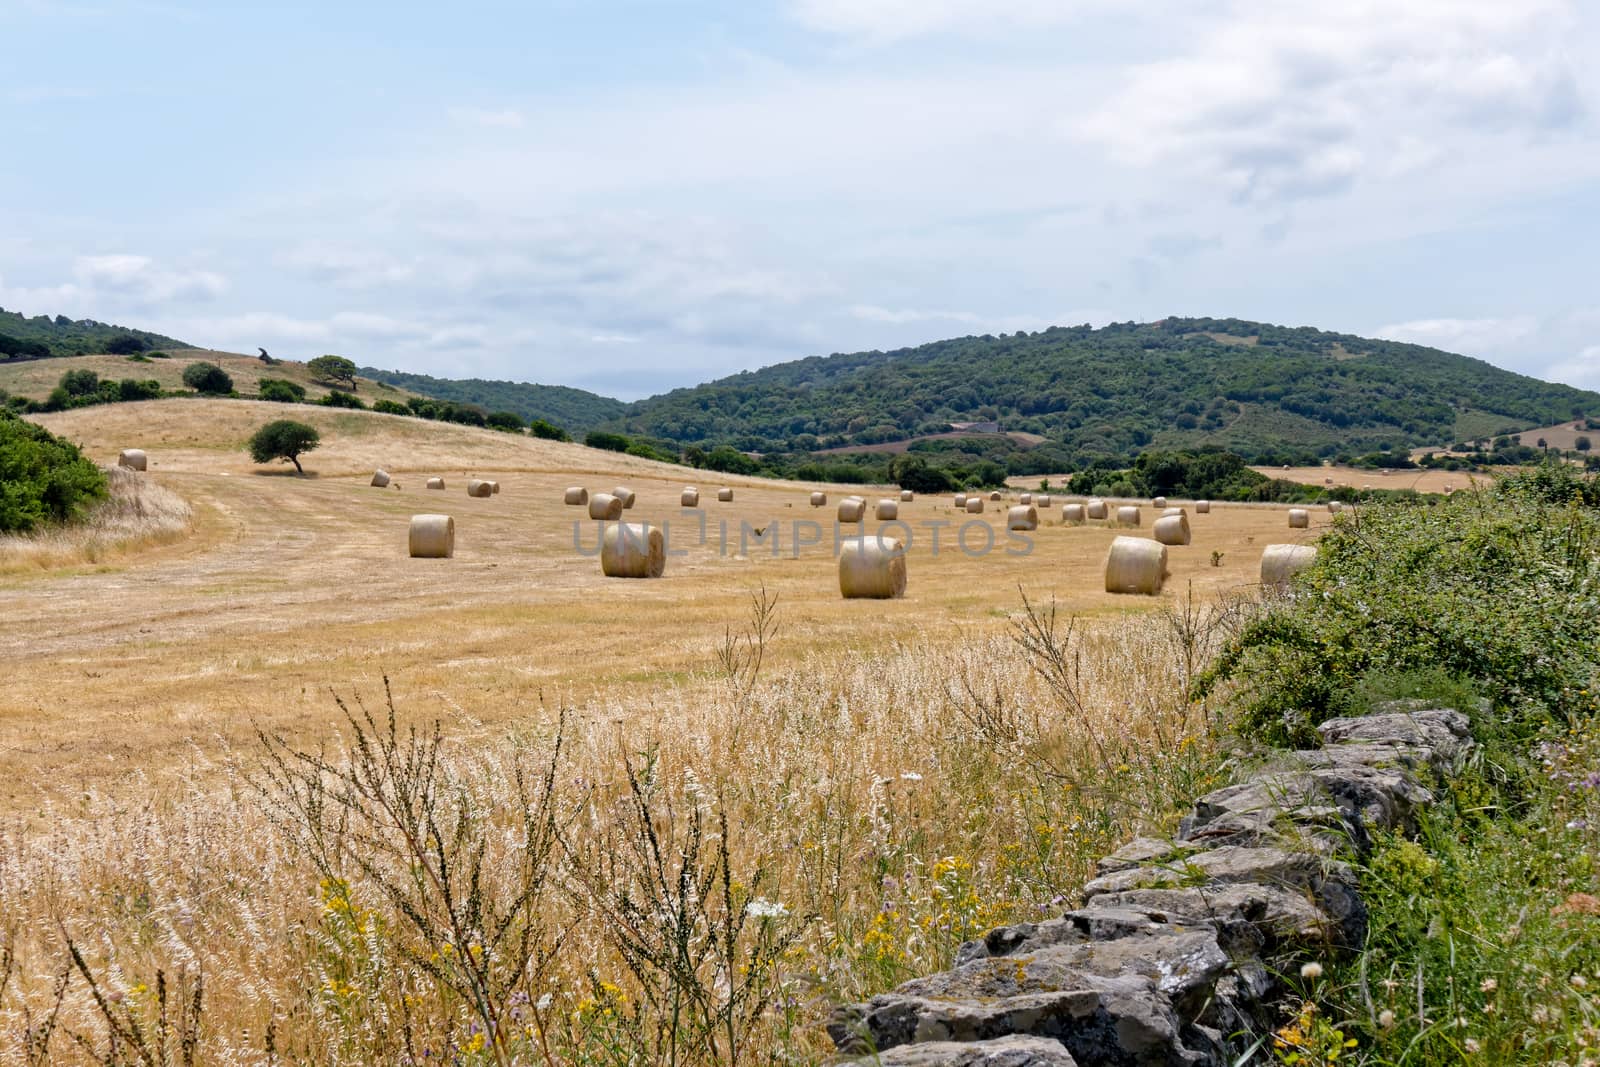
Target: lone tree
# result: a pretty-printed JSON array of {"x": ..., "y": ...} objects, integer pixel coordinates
[
  {"x": 207, "y": 378},
  {"x": 333, "y": 369},
  {"x": 283, "y": 439}
]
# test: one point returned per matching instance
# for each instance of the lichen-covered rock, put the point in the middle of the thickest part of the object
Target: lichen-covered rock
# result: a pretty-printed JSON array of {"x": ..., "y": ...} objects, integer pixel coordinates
[
  {"x": 1137, "y": 853},
  {"x": 1445, "y": 732},
  {"x": 1001, "y": 1052}
]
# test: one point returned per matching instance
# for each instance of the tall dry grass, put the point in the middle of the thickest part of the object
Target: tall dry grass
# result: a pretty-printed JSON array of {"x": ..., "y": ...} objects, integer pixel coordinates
[
  {"x": 137, "y": 514},
  {"x": 694, "y": 878}
]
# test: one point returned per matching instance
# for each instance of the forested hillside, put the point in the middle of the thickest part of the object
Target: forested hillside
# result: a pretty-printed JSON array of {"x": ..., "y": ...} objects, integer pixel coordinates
[
  {"x": 1256, "y": 389},
  {"x": 25, "y": 338},
  {"x": 574, "y": 410}
]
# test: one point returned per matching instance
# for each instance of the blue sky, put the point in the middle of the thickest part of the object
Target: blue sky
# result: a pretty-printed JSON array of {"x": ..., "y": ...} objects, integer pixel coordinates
[{"x": 632, "y": 196}]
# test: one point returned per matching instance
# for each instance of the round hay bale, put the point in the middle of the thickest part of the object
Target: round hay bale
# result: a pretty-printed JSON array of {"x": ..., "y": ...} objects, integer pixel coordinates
[
  {"x": 1202, "y": 507},
  {"x": 133, "y": 459},
  {"x": 852, "y": 509},
  {"x": 961, "y": 501},
  {"x": 432, "y": 537},
  {"x": 724, "y": 495},
  {"x": 872, "y": 568},
  {"x": 1171, "y": 530},
  {"x": 605, "y": 506},
  {"x": 624, "y": 494},
  {"x": 495, "y": 486},
  {"x": 995, "y": 495},
  {"x": 887, "y": 510},
  {"x": 906, "y": 496},
  {"x": 1074, "y": 513},
  {"x": 1022, "y": 517},
  {"x": 1025, "y": 498},
  {"x": 1279, "y": 563},
  {"x": 577, "y": 494},
  {"x": 1334, "y": 507},
  {"x": 1097, "y": 509},
  {"x": 974, "y": 505},
  {"x": 1041, "y": 501},
  {"x": 689, "y": 498},
  {"x": 1299, "y": 518},
  {"x": 380, "y": 479},
  {"x": 1128, "y": 515},
  {"x": 1158, "y": 502},
  {"x": 480, "y": 488},
  {"x": 1135, "y": 565},
  {"x": 436, "y": 483},
  {"x": 1174, "y": 511},
  {"x": 633, "y": 550},
  {"x": 819, "y": 500}
]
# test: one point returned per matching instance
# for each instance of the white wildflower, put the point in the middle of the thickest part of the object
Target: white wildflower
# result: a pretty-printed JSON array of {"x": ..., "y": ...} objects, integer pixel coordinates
[
  {"x": 1311, "y": 970},
  {"x": 544, "y": 1002},
  {"x": 762, "y": 908},
  {"x": 910, "y": 776}
]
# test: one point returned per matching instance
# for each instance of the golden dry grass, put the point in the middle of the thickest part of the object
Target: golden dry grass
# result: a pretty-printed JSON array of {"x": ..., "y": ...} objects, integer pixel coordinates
[
  {"x": 294, "y": 584},
  {"x": 899, "y": 776},
  {"x": 35, "y": 378},
  {"x": 137, "y": 516},
  {"x": 1423, "y": 481}
]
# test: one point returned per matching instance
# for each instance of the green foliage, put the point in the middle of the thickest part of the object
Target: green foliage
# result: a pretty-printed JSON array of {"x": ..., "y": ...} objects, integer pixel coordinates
[
  {"x": 126, "y": 344},
  {"x": 207, "y": 378},
  {"x": 333, "y": 369},
  {"x": 284, "y": 439},
  {"x": 548, "y": 431},
  {"x": 509, "y": 421},
  {"x": 447, "y": 411},
  {"x": 576, "y": 410},
  {"x": 611, "y": 442},
  {"x": 337, "y": 399},
  {"x": 43, "y": 478},
  {"x": 138, "y": 389},
  {"x": 390, "y": 407},
  {"x": 281, "y": 391},
  {"x": 1495, "y": 588},
  {"x": 80, "y": 382},
  {"x": 17, "y": 347},
  {"x": 1116, "y": 391},
  {"x": 42, "y": 335},
  {"x": 916, "y": 474}
]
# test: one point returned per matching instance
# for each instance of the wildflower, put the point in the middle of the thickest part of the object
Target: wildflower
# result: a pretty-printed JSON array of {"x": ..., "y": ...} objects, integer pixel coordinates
[
  {"x": 1578, "y": 981},
  {"x": 544, "y": 1002},
  {"x": 1471, "y": 1046},
  {"x": 910, "y": 776},
  {"x": 1311, "y": 970},
  {"x": 1386, "y": 1019},
  {"x": 1488, "y": 985},
  {"x": 762, "y": 908}
]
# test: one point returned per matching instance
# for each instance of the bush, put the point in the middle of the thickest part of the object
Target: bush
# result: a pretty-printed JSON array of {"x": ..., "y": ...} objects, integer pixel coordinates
[
  {"x": 138, "y": 389},
  {"x": 284, "y": 439},
  {"x": 611, "y": 442},
  {"x": 42, "y": 478},
  {"x": 389, "y": 407},
  {"x": 207, "y": 378},
  {"x": 1495, "y": 589},
  {"x": 548, "y": 431},
  {"x": 280, "y": 391},
  {"x": 336, "y": 399},
  {"x": 80, "y": 382},
  {"x": 509, "y": 421},
  {"x": 126, "y": 344}
]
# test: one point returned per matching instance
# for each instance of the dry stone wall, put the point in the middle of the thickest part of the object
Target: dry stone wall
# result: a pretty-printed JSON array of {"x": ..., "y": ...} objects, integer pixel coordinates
[{"x": 1178, "y": 946}]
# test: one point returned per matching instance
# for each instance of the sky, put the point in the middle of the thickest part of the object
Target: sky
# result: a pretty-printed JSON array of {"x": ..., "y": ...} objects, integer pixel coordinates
[{"x": 634, "y": 195}]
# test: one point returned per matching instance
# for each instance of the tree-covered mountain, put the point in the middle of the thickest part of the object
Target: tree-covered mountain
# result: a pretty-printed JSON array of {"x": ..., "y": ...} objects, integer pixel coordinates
[
  {"x": 574, "y": 410},
  {"x": 1256, "y": 389},
  {"x": 42, "y": 335}
]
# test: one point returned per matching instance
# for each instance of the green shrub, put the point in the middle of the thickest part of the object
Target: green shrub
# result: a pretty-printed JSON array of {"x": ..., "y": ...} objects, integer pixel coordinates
[
  {"x": 284, "y": 439},
  {"x": 389, "y": 407},
  {"x": 611, "y": 442},
  {"x": 548, "y": 431},
  {"x": 1496, "y": 589},
  {"x": 509, "y": 421},
  {"x": 80, "y": 382},
  {"x": 42, "y": 478},
  {"x": 138, "y": 389},
  {"x": 207, "y": 378},
  {"x": 337, "y": 399},
  {"x": 281, "y": 391}
]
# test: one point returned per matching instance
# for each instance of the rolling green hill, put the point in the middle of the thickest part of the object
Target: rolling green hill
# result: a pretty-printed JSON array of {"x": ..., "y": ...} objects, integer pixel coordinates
[
  {"x": 1256, "y": 389},
  {"x": 23, "y": 338},
  {"x": 574, "y": 410}
]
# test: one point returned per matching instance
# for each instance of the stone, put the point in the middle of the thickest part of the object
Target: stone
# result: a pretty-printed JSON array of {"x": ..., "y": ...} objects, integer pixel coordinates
[
  {"x": 1136, "y": 853},
  {"x": 1447, "y": 733},
  {"x": 1010, "y": 1051},
  {"x": 1248, "y": 917}
]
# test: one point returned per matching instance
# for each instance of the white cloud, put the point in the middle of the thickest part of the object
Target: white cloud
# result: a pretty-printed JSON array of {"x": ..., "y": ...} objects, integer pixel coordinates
[
  {"x": 1582, "y": 370},
  {"x": 1298, "y": 98},
  {"x": 1471, "y": 337},
  {"x": 901, "y": 316},
  {"x": 347, "y": 267},
  {"x": 140, "y": 280}
]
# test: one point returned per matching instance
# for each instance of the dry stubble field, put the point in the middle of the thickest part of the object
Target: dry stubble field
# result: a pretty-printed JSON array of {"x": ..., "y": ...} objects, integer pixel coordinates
[
  {"x": 900, "y": 775},
  {"x": 292, "y": 586}
]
